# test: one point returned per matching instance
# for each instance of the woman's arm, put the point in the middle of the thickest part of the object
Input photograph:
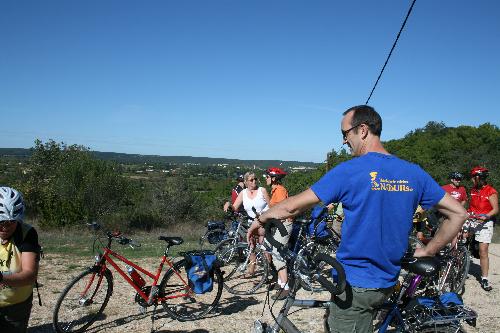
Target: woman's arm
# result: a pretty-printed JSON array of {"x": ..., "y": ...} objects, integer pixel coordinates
[
  {"x": 494, "y": 203},
  {"x": 239, "y": 200},
  {"x": 266, "y": 195}
]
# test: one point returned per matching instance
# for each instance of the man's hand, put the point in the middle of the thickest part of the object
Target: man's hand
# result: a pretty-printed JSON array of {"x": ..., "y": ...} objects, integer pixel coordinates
[{"x": 421, "y": 252}]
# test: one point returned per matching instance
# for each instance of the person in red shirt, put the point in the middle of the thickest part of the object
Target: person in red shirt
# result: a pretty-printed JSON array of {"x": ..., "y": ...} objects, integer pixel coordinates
[
  {"x": 235, "y": 191},
  {"x": 454, "y": 189},
  {"x": 484, "y": 204}
]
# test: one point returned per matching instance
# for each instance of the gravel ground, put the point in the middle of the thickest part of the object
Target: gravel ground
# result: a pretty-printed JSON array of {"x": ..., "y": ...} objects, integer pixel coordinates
[{"x": 235, "y": 313}]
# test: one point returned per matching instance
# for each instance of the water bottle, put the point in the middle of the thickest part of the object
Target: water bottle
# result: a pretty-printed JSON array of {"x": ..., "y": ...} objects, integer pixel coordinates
[{"x": 136, "y": 277}]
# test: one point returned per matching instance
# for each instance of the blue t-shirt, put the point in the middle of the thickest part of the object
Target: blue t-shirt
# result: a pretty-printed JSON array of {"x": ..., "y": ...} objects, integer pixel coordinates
[{"x": 379, "y": 194}]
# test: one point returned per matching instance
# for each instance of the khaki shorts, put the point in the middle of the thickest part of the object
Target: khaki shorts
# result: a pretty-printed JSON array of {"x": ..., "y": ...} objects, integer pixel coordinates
[
  {"x": 486, "y": 233},
  {"x": 277, "y": 260}
]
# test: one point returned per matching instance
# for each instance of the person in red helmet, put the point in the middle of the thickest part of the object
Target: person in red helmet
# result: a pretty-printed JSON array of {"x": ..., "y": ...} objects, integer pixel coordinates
[
  {"x": 274, "y": 177},
  {"x": 484, "y": 203}
]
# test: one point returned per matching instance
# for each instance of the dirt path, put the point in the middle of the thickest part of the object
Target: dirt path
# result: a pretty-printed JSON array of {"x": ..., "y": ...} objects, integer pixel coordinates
[{"x": 235, "y": 313}]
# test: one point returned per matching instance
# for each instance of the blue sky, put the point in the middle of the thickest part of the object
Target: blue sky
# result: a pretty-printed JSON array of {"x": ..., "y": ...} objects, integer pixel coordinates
[{"x": 240, "y": 79}]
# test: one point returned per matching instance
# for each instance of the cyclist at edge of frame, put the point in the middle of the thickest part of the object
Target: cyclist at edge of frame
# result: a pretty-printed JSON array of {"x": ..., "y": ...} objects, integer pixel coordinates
[
  {"x": 274, "y": 176},
  {"x": 484, "y": 203},
  {"x": 19, "y": 257},
  {"x": 379, "y": 193},
  {"x": 235, "y": 191}
]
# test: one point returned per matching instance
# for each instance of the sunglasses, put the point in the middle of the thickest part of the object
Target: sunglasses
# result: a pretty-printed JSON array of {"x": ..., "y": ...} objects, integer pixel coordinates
[
  {"x": 344, "y": 133},
  {"x": 252, "y": 180}
]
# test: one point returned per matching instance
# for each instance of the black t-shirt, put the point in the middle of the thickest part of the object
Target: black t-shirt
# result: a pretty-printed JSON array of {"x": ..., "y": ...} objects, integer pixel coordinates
[{"x": 30, "y": 241}]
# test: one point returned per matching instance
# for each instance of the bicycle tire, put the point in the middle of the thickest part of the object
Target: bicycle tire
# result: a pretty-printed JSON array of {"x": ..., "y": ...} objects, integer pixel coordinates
[
  {"x": 223, "y": 246},
  {"x": 70, "y": 315},
  {"x": 461, "y": 270},
  {"x": 194, "y": 306},
  {"x": 237, "y": 280},
  {"x": 303, "y": 264}
]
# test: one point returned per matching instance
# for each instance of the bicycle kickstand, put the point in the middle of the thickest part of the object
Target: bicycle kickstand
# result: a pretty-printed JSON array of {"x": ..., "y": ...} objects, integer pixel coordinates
[{"x": 153, "y": 317}]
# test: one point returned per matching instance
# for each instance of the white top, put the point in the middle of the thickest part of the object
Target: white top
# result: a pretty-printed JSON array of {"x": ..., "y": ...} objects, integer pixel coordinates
[{"x": 258, "y": 202}]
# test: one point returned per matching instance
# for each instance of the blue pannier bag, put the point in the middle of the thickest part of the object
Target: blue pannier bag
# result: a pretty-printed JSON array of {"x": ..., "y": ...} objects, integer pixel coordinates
[
  {"x": 200, "y": 270},
  {"x": 215, "y": 225},
  {"x": 447, "y": 299},
  {"x": 318, "y": 227},
  {"x": 217, "y": 236},
  {"x": 319, "y": 231}
]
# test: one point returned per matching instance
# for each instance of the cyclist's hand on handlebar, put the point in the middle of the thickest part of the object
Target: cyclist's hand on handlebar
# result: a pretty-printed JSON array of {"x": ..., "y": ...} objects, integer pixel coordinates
[{"x": 422, "y": 252}]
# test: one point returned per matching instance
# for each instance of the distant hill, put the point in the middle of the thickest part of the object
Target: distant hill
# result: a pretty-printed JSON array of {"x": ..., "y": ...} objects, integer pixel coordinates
[{"x": 178, "y": 160}]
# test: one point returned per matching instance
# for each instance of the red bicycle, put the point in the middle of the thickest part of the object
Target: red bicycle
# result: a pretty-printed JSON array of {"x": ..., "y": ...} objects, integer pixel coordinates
[{"x": 83, "y": 300}]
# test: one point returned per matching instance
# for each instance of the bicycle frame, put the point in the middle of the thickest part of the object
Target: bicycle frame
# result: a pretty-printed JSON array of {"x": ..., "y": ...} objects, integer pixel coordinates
[{"x": 106, "y": 257}]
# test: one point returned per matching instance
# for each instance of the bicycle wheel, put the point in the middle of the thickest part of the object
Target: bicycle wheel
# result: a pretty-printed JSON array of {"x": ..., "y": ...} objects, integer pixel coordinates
[
  {"x": 82, "y": 301},
  {"x": 305, "y": 269},
  {"x": 244, "y": 271},
  {"x": 461, "y": 269},
  {"x": 182, "y": 304},
  {"x": 223, "y": 246}
]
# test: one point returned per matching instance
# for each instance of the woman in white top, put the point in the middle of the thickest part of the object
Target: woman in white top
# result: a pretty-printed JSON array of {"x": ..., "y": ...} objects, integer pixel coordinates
[{"x": 251, "y": 197}]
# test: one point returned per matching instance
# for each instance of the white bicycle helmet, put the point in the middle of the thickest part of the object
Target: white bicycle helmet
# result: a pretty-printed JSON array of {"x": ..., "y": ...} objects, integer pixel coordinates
[{"x": 11, "y": 205}]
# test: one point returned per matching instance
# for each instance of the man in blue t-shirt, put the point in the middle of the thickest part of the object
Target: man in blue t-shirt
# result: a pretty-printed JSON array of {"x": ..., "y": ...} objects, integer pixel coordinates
[{"x": 379, "y": 193}]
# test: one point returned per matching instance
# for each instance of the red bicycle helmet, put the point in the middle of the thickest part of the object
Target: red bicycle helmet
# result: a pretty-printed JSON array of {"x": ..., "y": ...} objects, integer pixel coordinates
[
  {"x": 479, "y": 171},
  {"x": 276, "y": 172}
]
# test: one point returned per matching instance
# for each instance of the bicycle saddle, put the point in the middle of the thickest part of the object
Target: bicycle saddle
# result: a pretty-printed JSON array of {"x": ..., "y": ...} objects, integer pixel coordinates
[
  {"x": 425, "y": 266},
  {"x": 172, "y": 240}
]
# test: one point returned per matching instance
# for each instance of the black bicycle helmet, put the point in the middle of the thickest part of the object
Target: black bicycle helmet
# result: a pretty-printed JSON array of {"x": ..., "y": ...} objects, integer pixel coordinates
[{"x": 456, "y": 175}]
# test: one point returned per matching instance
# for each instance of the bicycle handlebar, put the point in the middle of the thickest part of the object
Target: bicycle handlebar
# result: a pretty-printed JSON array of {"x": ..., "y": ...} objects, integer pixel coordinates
[
  {"x": 122, "y": 240},
  {"x": 269, "y": 236}
]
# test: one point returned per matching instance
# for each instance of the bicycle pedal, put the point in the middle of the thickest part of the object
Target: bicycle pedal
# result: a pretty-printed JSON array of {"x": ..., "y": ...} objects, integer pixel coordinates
[{"x": 142, "y": 310}]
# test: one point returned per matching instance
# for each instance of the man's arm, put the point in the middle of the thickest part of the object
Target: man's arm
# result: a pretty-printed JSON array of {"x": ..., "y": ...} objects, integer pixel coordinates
[
  {"x": 291, "y": 206},
  {"x": 285, "y": 209},
  {"x": 456, "y": 215},
  {"x": 28, "y": 273}
]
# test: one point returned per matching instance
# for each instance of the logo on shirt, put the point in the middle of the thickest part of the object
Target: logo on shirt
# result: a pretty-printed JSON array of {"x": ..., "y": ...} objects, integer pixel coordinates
[{"x": 389, "y": 185}]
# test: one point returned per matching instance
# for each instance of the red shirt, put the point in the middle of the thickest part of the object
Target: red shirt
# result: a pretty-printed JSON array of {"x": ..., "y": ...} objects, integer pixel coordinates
[
  {"x": 456, "y": 192},
  {"x": 479, "y": 199}
]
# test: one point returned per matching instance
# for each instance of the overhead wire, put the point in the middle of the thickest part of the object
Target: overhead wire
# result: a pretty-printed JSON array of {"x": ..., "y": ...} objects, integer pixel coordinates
[{"x": 392, "y": 49}]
